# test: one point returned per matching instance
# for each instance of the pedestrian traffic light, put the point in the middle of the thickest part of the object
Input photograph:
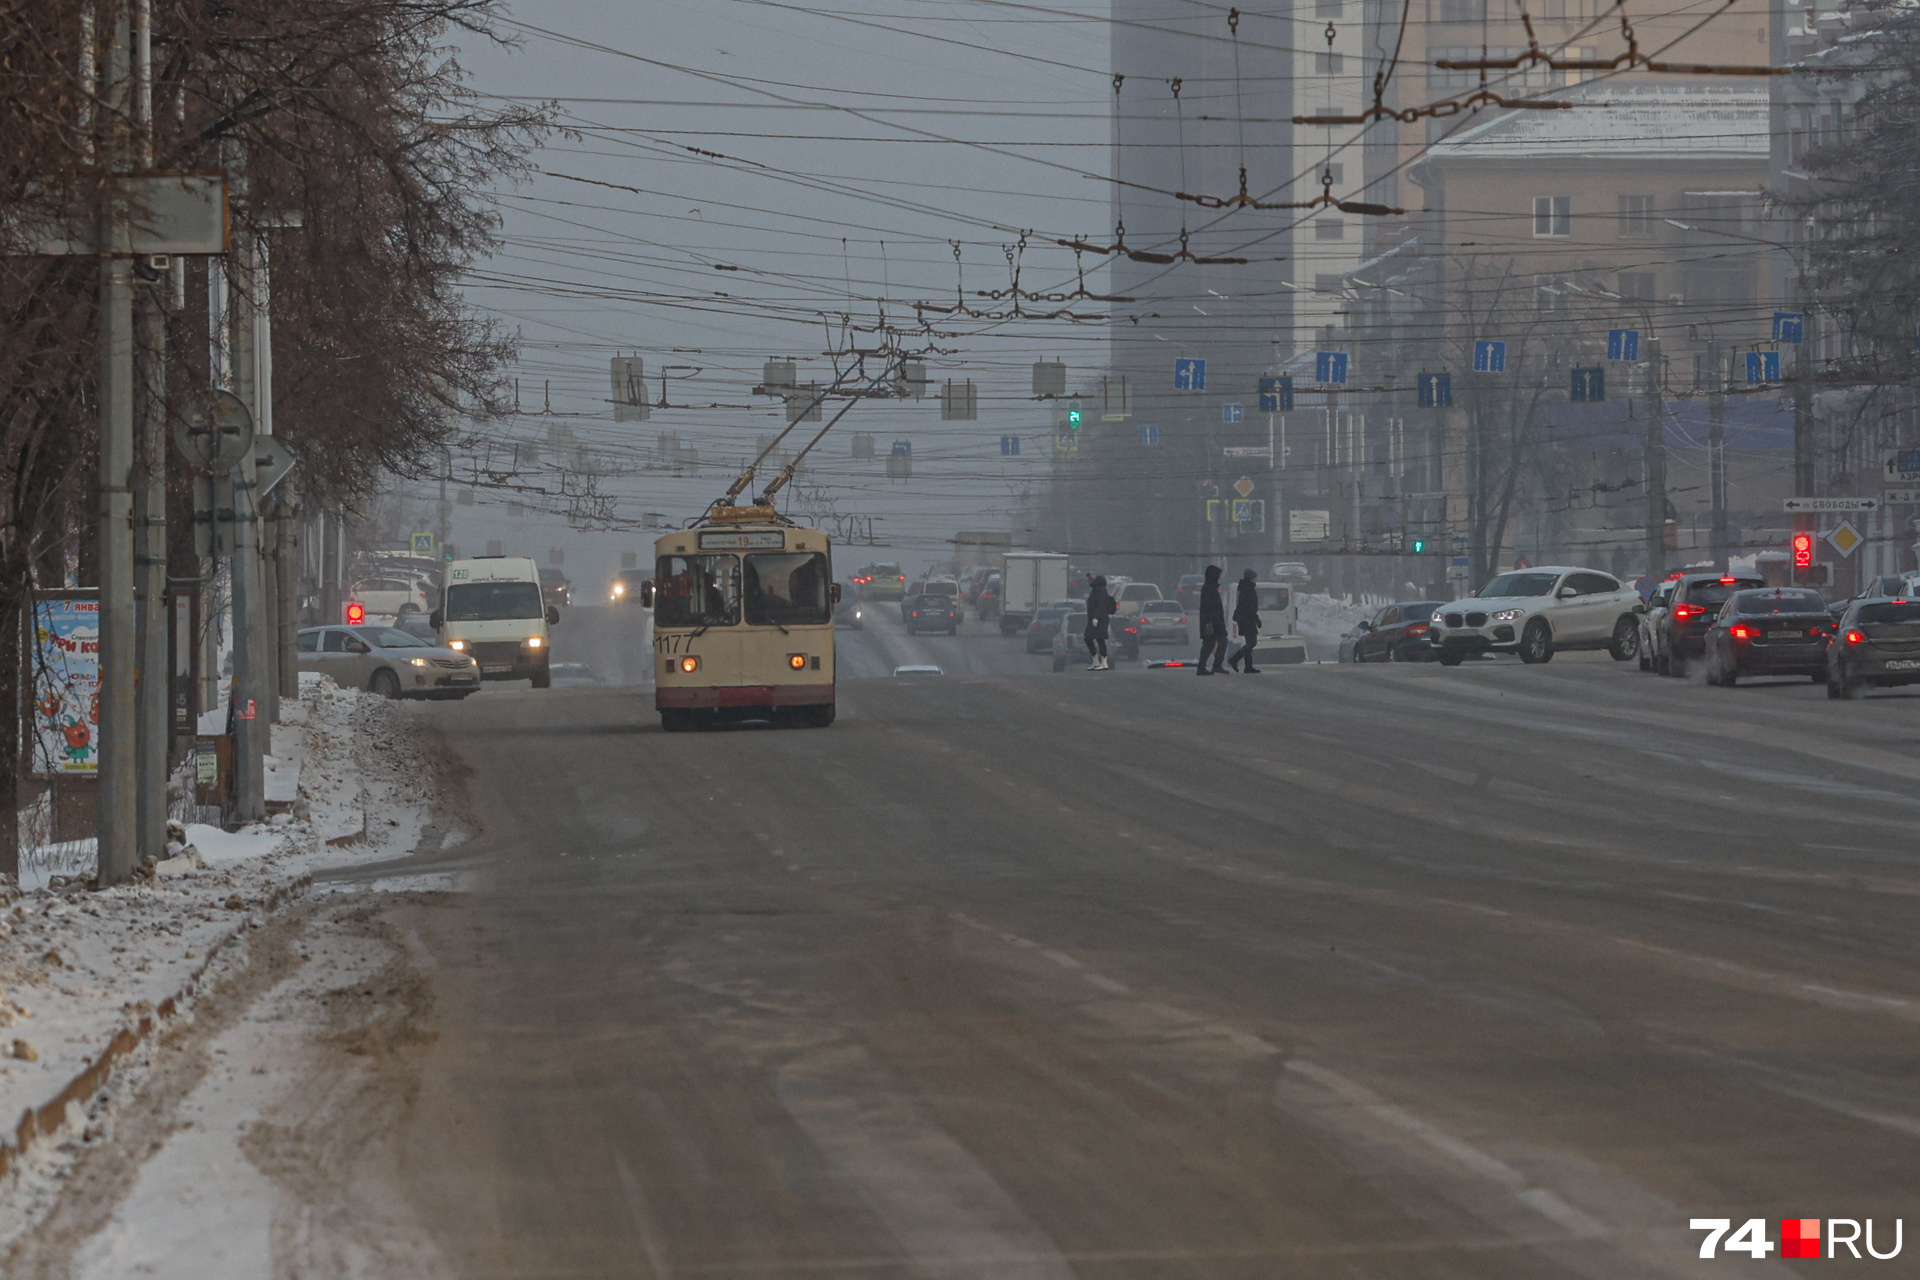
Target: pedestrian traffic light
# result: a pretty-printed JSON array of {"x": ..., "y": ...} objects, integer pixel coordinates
[
  {"x": 356, "y": 613},
  {"x": 1803, "y": 551},
  {"x": 1073, "y": 415},
  {"x": 1419, "y": 546}
]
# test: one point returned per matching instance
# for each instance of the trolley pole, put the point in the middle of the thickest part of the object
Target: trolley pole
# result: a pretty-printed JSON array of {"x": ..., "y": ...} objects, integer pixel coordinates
[
  {"x": 249, "y": 635},
  {"x": 1717, "y": 455},
  {"x": 150, "y": 507},
  {"x": 1656, "y": 467},
  {"x": 117, "y": 829}
]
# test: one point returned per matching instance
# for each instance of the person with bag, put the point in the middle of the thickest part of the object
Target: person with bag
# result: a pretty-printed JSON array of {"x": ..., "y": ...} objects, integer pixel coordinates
[
  {"x": 1246, "y": 618},
  {"x": 1213, "y": 623},
  {"x": 1100, "y": 607}
]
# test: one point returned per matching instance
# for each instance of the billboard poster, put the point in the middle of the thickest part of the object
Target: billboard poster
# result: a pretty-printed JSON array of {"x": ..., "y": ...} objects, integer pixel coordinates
[{"x": 66, "y": 684}]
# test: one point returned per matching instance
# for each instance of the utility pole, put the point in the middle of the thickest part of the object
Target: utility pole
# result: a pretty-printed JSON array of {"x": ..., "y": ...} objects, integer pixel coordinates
[
  {"x": 117, "y": 828},
  {"x": 1656, "y": 466},
  {"x": 153, "y": 713},
  {"x": 1717, "y": 454},
  {"x": 250, "y": 728}
]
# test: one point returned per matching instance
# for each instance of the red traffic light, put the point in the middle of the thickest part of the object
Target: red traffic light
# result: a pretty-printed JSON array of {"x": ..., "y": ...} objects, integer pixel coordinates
[
  {"x": 1803, "y": 551},
  {"x": 356, "y": 613}
]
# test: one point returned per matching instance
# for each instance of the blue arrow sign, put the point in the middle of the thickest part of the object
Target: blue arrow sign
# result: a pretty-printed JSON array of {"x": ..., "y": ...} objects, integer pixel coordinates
[
  {"x": 1489, "y": 357},
  {"x": 1330, "y": 366},
  {"x": 1149, "y": 434},
  {"x": 1276, "y": 395},
  {"x": 1623, "y": 344},
  {"x": 1590, "y": 384},
  {"x": 1189, "y": 375},
  {"x": 1232, "y": 413},
  {"x": 1789, "y": 326},
  {"x": 1009, "y": 446},
  {"x": 1763, "y": 366},
  {"x": 1436, "y": 390}
]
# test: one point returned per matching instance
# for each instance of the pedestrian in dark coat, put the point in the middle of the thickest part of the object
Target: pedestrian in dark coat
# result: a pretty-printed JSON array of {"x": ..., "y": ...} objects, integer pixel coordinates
[
  {"x": 1100, "y": 607},
  {"x": 1213, "y": 623},
  {"x": 1246, "y": 618}
]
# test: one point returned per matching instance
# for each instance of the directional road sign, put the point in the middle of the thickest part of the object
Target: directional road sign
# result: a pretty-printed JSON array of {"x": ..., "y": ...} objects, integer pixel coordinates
[
  {"x": 1831, "y": 504},
  {"x": 1009, "y": 446},
  {"x": 1789, "y": 326},
  {"x": 1902, "y": 465},
  {"x": 1149, "y": 434},
  {"x": 1276, "y": 395},
  {"x": 1189, "y": 375},
  {"x": 1489, "y": 357},
  {"x": 1905, "y": 496},
  {"x": 1623, "y": 344},
  {"x": 1246, "y": 451},
  {"x": 1232, "y": 413},
  {"x": 1435, "y": 390},
  {"x": 1763, "y": 366},
  {"x": 1329, "y": 366}
]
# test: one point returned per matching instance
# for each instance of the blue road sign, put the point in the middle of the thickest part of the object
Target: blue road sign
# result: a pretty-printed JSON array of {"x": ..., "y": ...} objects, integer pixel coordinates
[
  {"x": 1189, "y": 375},
  {"x": 1489, "y": 357},
  {"x": 1276, "y": 395},
  {"x": 903, "y": 448},
  {"x": 1623, "y": 344},
  {"x": 1232, "y": 413},
  {"x": 1789, "y": 326},
  {"x": 1590, "y": 384},
  {"x": 1330, "y": 366},
  {"x": 1009, "y": 446},
  {"x": 1763, "y": 366},
  {"x": 1436, "y": 390},
  {"x": 1149, "y": 434}
]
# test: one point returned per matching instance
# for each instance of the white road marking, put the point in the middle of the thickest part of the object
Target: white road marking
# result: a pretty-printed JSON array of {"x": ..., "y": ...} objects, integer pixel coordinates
[
  {"x": 938, "y": 1202},
  {"x": 1105, "y": 983}
]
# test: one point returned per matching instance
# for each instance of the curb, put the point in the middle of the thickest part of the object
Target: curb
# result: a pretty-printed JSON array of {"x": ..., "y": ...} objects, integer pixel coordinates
[{"x": 38, "y": 1123}]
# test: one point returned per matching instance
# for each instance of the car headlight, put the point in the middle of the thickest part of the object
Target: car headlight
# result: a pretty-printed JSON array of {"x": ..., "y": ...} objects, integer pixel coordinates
[
  {"x": 1507, "y": 615},
  {"x": 456, "y": 644},
  {"x": 534, "y": 642},
  {"x": 418, "y": 662}
]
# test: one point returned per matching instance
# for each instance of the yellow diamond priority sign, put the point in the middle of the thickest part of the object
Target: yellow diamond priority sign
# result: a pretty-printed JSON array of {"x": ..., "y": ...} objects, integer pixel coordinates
[
  {"x": 1845, "y": 538},
  {"x": 1243, "y": 486}
]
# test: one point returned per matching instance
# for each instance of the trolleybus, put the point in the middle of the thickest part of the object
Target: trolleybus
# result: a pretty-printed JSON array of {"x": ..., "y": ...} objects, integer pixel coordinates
[{"x": 743, "y": 621}]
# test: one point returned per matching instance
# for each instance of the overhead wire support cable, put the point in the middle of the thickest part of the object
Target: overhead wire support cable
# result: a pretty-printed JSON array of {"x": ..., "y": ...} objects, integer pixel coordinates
[{"x": 1632, "y": 59}]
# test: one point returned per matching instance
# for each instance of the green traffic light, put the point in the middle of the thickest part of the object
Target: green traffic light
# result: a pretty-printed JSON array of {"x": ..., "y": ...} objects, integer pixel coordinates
[
  {"x": 1419, "y": 545},
  {"x": 1073, "y": 417}
]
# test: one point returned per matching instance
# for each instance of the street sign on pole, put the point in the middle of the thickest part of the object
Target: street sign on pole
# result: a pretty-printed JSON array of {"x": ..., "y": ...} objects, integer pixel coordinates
[
  {"x": 1907, "y": 497},
  {"x": 423, "y": 545},
  {"x": 1189, "y": 375},
  {"x": 1246, "y": 451},
  {"x": 214, "y": 431},
  {"x": 1489, "y": 357},
  {"x": 1435, "y": 390},
  {"x": 271, "y": 462},
  {"x": 1009, "y": 446},
  {"x": 1276, "y": 395},
  {"x": 1789, "y": 326},
  {"x": 1903, "y": 466},
  {"x": 1623, "y": 344},
  {"x": 1232, "y": 413},
  {"x": 1243, "y": 486},
  {"x": 1330, "y": 366},
  {"x": 1590, "y": 384},
  {"x": 1763, "y": 366},
  {"x": 1149, "y": 434},
  {"x": 1831, "y": 504},
  {"x": 1846, "y": 538}
]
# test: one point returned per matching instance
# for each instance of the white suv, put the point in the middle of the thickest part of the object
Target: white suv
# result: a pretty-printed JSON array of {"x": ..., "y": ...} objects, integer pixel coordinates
[{"x": 1535, "y": 612}]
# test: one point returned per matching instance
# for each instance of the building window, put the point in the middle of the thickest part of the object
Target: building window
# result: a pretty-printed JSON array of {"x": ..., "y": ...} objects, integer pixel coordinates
[
  {"x": 1638, "y": 285},
  {"x": 1330, "y": 229},
  {"x": 1327, "y": 64},
  {"x": 1463, "y": 10},
  {"x": 1326, "y": 284},
  {"x": 1329, "y": 8},
  {"x": 1636, "y": 215},
  {"x": 1553, "y": 215}
]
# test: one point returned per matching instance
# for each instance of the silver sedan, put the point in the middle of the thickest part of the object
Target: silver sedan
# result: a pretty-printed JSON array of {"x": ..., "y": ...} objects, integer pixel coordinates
[{"x": 387, "y": 661}]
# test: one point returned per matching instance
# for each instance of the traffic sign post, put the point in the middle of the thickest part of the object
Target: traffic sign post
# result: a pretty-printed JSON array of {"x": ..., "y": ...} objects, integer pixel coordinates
[
  {"x": 1330, "y": 366},
  {"x": 1232, "y": 413},
  {"x": 1623, "y": 344},
  {"x": 1789, "y": 326},
  {"x": 1489, "y": 357},
  {"x": 1435, "y": 390},
  {"x": 423, "y": 545},
  {"x": 1846, "y": 539},
  {"x": 1276, "y": 395},
  {"x": 1149, "y": 434},
  {"x": 1189, "y": 375},
  {"x": 1902, "y": 467}
]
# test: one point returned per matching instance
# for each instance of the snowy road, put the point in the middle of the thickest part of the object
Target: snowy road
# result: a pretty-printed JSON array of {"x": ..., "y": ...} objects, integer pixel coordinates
[{"x": 1387, "y": 971}]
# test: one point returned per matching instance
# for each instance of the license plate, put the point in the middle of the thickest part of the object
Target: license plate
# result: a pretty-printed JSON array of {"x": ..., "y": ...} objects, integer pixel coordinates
[
  {"x": 1903, "y": 664},
  {"x": 497, "y": 669}
]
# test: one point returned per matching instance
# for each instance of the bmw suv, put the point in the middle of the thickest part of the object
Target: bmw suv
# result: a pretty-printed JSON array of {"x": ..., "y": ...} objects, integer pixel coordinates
[{"x": 1535, "y": 613}]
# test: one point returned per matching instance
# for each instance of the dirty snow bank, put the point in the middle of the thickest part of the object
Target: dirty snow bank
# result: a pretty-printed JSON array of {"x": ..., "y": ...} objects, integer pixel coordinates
[
  {"x": 1324, "y": 619},
  {"x": 78, "y": 966}
]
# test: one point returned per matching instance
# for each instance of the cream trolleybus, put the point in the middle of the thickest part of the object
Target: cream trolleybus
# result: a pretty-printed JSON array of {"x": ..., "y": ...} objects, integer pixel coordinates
[{"x": 743, "y": 621}]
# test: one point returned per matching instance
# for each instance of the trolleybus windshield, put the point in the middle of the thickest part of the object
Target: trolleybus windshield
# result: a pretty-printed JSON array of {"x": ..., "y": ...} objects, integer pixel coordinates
[
  {"x": 787, "y": 589},
  {"x": 490, "y": 601},
  {"x": 697, "y": 591}
]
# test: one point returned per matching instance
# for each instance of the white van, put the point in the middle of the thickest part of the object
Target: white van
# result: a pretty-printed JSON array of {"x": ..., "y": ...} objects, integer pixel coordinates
[{"x": 492, "y": 608}]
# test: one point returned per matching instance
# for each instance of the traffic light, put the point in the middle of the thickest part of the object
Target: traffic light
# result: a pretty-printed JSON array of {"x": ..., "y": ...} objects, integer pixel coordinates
[
  {"x": 1419, "y": 546},
  {"x": 1803, "y": 551},
  {"x": 356, "y": 613},
  {"x": 1073, "y": 415}
]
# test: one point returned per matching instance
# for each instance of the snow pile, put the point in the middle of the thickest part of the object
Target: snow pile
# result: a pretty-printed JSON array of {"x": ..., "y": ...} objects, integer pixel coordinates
[
  {"x": 1324, "y": 619},
  {"x": 78, "y": 966}
]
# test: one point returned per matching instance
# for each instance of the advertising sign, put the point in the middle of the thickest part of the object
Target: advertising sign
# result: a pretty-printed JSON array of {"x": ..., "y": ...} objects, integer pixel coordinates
[{"x": 66, "y": 683}]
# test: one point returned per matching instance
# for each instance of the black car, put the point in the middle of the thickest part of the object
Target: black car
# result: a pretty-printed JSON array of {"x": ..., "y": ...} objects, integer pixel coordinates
[
  {"x": 555, "y": 584},
  {"x": 1877, "y": 644},
  {"x": 1680, "y": 634},
  {"x": 1398, "y": 633},
  {"x": 1187, "y": 591},
  {"x": 933, "y": 613},
  {"x": 626, "y": 588},
  {"x": 1781, "y": 631}
]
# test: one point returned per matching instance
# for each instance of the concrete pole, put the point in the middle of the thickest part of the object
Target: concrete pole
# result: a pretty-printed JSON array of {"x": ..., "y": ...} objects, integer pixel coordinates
[
  {"x": 151, "y": 551},
  {"x": 1717, "y": 455},
  {"x": 1656, "y": 467},
  {"x": 118, "y": 832},
  {"x": 249, "y": 662},
  {"x": 287, "y": 574}
]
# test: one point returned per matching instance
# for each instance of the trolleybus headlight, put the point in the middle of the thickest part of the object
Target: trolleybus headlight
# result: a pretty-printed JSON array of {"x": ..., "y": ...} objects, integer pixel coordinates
[
  {"x": 798, "y": 661},
  {"x": 689, "y": 665}
]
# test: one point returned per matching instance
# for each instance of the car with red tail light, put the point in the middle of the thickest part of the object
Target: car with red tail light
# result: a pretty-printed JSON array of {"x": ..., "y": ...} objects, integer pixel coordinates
[
  {"x": 1680, "y": 631},
  {"x": 1876, "y": 645},
  {"x": 1781, "y": 631}
]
